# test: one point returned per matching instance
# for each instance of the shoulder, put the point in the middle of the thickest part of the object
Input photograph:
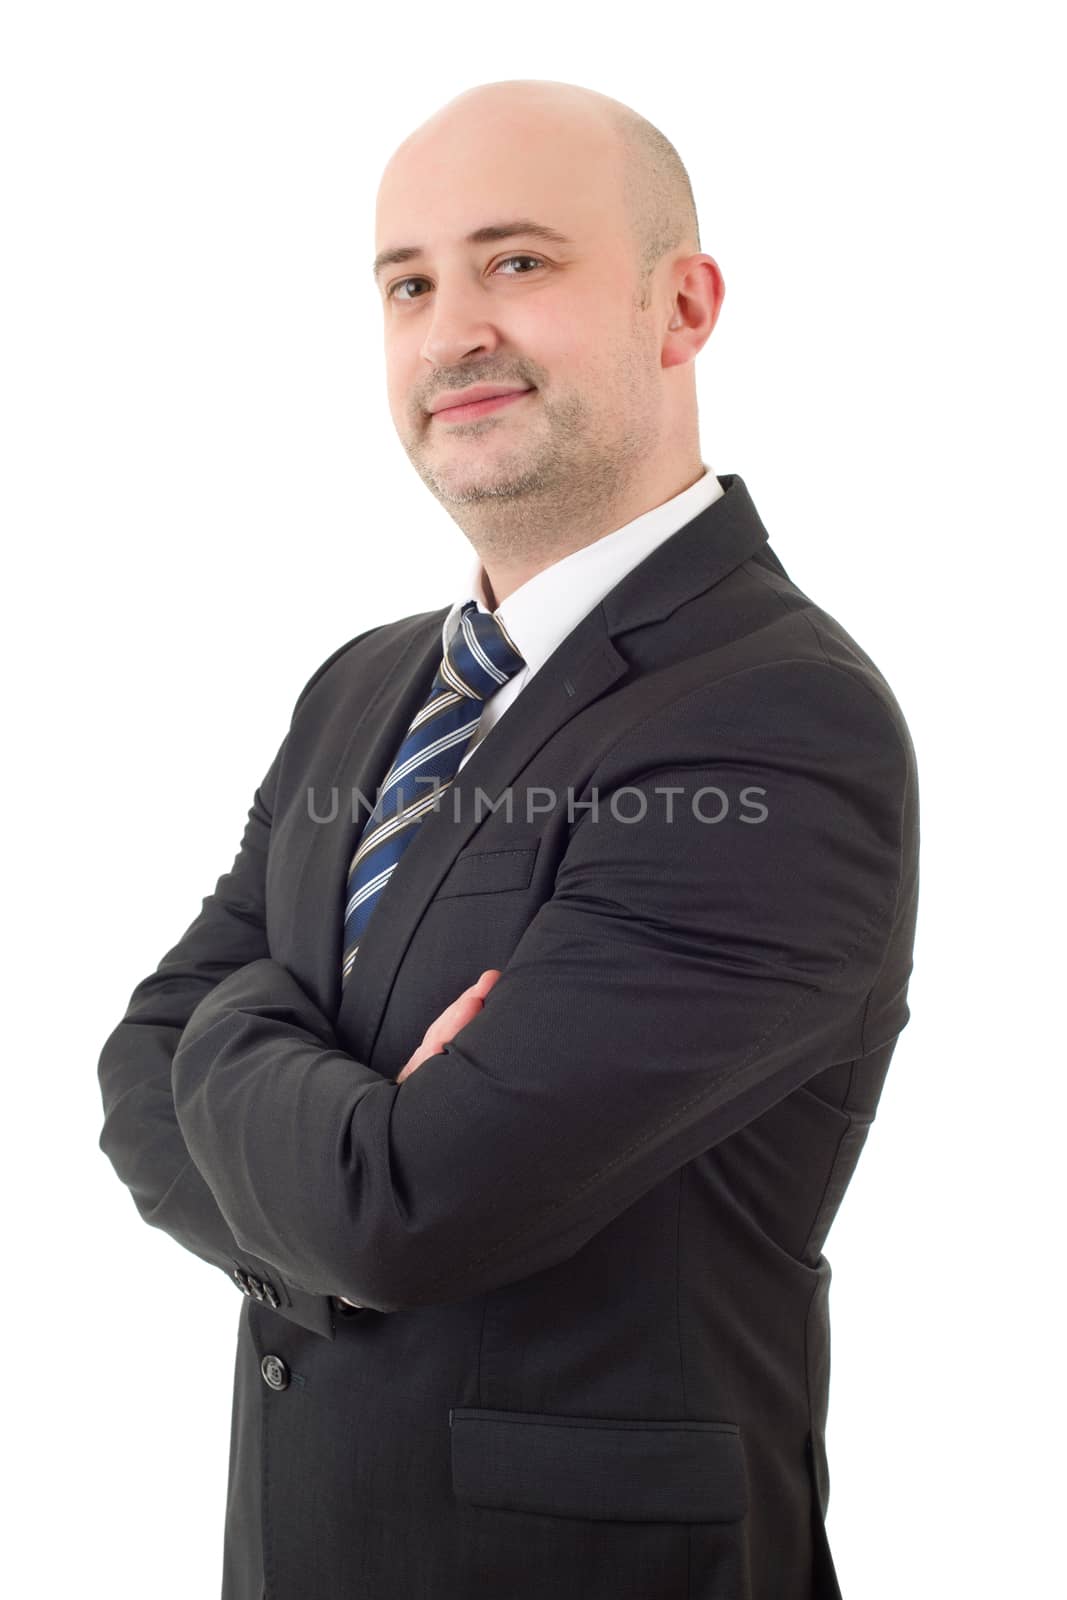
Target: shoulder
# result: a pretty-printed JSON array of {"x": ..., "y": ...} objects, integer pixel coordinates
[{"x": 365, "y": 657}]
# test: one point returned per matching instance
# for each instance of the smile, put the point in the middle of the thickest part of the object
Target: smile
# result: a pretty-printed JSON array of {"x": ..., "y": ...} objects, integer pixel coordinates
[{"x": 479, "y": 408}]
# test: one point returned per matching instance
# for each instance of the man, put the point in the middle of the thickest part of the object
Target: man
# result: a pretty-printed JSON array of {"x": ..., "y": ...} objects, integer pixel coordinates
[{"x": 520, "y": 1106}]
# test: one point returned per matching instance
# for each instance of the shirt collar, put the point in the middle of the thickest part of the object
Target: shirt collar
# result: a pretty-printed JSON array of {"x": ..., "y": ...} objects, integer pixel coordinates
[{"x": 541, "y": 612}]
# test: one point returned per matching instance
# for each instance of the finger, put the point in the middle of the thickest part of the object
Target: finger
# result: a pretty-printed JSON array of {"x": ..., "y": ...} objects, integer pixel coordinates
[
  {"x": 451, "y": 1020},
  {"x": 460, "y": 1012}
]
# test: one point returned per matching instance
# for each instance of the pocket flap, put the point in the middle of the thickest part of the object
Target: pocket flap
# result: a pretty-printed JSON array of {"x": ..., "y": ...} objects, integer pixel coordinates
[{"x": 608, "y": 1469}]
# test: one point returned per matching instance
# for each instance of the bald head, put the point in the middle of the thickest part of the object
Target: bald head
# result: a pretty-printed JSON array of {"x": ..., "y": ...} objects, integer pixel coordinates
[
  {"x": 541, "y": 238},
  {"x": 647, "y": 175}
]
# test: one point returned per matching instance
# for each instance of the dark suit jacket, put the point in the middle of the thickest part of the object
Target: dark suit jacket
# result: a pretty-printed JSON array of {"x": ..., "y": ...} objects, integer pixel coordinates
[{"x": 593, "y": 1354}]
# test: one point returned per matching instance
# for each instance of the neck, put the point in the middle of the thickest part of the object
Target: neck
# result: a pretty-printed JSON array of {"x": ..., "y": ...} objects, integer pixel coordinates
[{"x": 540, "y": 529}]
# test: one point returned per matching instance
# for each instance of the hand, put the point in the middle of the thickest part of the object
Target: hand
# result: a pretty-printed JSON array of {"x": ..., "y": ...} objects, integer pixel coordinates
[
  {"x": 447, "y": 1025},
  {"x": 451, "y": 1020}
]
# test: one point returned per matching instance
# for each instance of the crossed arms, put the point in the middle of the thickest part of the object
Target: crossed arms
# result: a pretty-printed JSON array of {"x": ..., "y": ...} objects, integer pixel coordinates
[{"x": 681, "y": 979}]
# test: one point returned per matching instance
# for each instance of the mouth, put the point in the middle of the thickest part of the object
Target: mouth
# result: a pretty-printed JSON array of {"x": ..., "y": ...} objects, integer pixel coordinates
[{"x": 479, "y": 408}]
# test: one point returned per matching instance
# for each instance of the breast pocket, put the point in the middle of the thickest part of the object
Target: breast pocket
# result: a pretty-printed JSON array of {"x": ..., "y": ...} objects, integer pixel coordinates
[{"x": 488, "y": 872}]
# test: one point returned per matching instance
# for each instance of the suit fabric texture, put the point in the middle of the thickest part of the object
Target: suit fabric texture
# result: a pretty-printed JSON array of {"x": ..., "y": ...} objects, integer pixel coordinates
[{"x": 590, "y": 1350}]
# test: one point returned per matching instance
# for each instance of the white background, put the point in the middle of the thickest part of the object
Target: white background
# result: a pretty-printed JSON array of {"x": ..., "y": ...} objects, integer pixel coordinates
[{"x": 203, "y": 496}]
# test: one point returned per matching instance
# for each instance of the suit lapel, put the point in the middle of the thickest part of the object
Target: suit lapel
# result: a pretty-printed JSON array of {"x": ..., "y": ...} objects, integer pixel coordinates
[
  {"x": 557, "y": 692},
  {"x": 378, "y": 727},
  {"x": 584, "y": 666}
]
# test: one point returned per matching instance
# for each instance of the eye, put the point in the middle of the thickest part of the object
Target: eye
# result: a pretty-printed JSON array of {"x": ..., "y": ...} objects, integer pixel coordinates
[
  {"x": 535, "y": 259},
  {"x": 392, "y": 295}
]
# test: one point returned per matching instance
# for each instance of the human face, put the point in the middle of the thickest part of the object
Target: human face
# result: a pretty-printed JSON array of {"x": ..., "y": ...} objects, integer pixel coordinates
[{"x": 517, "y": 271}]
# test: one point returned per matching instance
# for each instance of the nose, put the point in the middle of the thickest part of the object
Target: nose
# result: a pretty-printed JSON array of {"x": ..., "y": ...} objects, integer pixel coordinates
[{"x": 458, "y": 326}]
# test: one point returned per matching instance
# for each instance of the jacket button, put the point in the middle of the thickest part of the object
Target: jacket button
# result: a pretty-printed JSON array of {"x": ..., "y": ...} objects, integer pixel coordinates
[
  {"x": 241, "y": 1279},
  {"x": 270, "y": 1294},
  {"x": 256, "y": 1287},
  {"x": 275, "y": 1372}
]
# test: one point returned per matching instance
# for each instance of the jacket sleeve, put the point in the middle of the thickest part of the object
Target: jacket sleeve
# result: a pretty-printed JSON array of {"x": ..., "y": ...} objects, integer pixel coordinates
[
  {"x": 140, "y": 1134},
  {"x": 684, "y": 976}
]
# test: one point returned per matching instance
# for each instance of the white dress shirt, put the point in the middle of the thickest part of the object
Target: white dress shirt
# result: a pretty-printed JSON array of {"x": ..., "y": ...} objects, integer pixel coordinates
[{"x": 547, "y": 607}]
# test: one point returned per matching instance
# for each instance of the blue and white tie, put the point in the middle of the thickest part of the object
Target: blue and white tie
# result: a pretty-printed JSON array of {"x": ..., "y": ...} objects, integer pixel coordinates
[{"x": 480, "y": 658}]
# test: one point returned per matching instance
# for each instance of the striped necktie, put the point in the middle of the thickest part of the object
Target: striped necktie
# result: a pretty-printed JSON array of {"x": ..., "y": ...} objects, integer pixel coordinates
[{"x": 480, "y": 658}]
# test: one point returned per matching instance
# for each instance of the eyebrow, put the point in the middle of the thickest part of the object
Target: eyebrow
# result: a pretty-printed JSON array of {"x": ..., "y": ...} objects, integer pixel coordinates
[{"x": 487, "y": 235}]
